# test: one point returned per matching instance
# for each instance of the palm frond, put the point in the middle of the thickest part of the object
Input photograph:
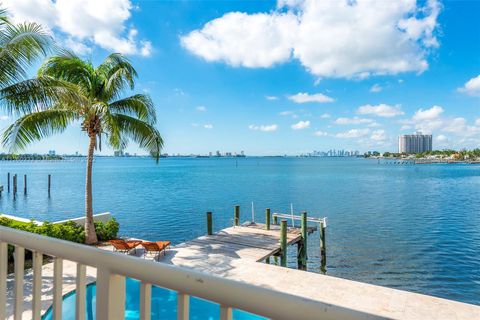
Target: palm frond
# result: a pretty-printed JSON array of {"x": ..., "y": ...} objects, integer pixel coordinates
[
  {"x": 3, "y": 16},
  {"x": 39, "y": 94},
  {"x": 121, "y": 127},
  {"x": 20, "y": 45},
  {"x": 118, "y": 74},
  {"x": 36, "y": 126},
  {"x": 70, "y": 68},
  {"x": 139, "y": 105}
]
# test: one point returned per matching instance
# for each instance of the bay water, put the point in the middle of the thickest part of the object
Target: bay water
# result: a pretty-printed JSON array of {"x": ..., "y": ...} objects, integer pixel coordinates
[{"x": 411, "y": 227}]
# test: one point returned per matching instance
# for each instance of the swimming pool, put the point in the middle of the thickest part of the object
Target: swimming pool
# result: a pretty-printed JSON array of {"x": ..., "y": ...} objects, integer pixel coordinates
[{"x": 164, "y": 305}]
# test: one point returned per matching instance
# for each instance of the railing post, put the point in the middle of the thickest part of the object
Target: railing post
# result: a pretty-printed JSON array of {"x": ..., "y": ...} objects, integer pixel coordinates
[
  {"x": 3, "y": 278},
  {"x": 209, "y": 224},
  {"x": 145, "y": 301},
  {"x": 24, "y": 184},
  {"x": 37, "y": 258},
  {"x": 8, "y": 182},
  {"x": 283, "y": 243},
  {"x": 236, "y": 216},
  {"x": 80, "y": 302},
  {"x": 226, "y": 313},
  {"x": 49, "y": 183},
  {"x": 183, "y": 306},
  {"x": 110, "y": 295},
  {"x": 267, "y": 219},
  {"x": 57, "y": 288},
  {"x": 19, "y": 257}
]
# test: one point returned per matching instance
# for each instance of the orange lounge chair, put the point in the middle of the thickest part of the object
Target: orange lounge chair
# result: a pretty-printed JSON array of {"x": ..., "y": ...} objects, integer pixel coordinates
[
  {"x": 124, "y": 246},
  {"x": 155, "y": 247}
]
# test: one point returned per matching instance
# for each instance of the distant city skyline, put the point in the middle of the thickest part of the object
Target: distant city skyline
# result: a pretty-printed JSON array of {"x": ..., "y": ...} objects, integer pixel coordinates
[{"x": 275, "y": 91}]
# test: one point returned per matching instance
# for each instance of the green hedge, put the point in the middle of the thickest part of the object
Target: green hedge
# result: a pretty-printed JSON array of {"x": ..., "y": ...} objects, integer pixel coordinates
[{"x": 69, "y": 231}]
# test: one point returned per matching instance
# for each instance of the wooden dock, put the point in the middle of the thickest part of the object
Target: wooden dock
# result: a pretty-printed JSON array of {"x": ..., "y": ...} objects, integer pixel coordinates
[{"x": 250, "y": 241}]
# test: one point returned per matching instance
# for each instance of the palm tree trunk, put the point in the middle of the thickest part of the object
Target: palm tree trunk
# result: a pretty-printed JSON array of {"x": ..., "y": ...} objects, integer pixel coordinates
[{"x": 90, "y": 234}]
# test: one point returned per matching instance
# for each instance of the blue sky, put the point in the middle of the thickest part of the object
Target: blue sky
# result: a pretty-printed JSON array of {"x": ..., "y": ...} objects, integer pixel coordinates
[{"x": 287, "y": 76}]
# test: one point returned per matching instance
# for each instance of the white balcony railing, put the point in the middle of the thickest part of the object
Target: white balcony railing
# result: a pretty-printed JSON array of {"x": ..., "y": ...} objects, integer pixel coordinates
[{"x": 112, "y": 268}]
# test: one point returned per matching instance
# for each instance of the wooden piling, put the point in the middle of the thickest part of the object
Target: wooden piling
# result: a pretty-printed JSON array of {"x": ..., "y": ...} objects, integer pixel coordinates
[
  {"x": 323, "y": 245},
  {"x": 236, "y": 216},
  {"x": 302, "y": 245},
  {"x": 283, "y": 243},
  {"x": 209, "y": 224},
  {"x": 49, "y": 183},
  {"x": 267, "y": 219},
  {"x": 24, "y": 184},
  {"x": 15, "y": 184},
  {"x": 8, "y": 182},
  {"x": 275, "y": 220}
]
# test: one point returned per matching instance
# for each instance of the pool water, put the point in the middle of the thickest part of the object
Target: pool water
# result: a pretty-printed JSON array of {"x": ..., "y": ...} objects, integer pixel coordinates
[{"x": 164, "y": 305}]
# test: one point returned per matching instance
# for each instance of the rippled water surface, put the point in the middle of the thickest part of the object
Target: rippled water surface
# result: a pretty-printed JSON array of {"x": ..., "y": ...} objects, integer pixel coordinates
[{"x": 410, "y": 227}]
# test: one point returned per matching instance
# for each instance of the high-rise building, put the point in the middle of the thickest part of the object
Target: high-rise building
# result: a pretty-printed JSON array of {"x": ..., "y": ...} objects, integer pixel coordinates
[{"x": 414, "y": 143}]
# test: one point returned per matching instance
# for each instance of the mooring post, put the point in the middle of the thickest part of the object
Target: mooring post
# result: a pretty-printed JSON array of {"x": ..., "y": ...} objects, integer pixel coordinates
[
  {"x": 283, "y": 243},
  {"x": 323, "y": 246},
  {"x": 15, "y": 184},
  {"x": 8, "y": 182},
  {"x": 49, "y": 183},
  {"x": 236, "y": 216},
  {"x": 24, "y": 184},
  {"x": 267, "y": 219},
  {"x": 209, "y": 224},
  {"x": 275, "y": 220},
  {"x": 302, "y": 245}
]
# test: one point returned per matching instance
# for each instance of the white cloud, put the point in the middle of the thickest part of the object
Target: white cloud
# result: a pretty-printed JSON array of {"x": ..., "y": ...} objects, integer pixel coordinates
[
  {"x": 339, "y": 39},
  {"x": 441, "y": 138},
  {"x": 264, "y": 128},
  {"x": 471, "y": 87},
  {"x": 301, "y": 125},
  {"x": 208, "y": 126},
  {"x": 477, "y": 122},
  {"x": 381, "y": 110},
  {"x": 286, "y": 113},
  {"x": 353, "y": 133},
  {"x": 378, "y": 135},
  {"x": 325, "y": 116},
  {"x": 271, "y": 98},
  {"x": 354, "y": 120},
  {"x": 374, "y": 124},
  {"x": 303, "y": 97},
  {"x": 376, "y": 88},
  {"x": 4, "y": 118},
  {"x": 241, "y": 39},
  {"x": 456, "y": 125},
  {"x": 84, "y": 22},
  {"x": 320, "y": 133},
  {"x": 427, "y": 114},
  {"x": 201, "y": 109}
]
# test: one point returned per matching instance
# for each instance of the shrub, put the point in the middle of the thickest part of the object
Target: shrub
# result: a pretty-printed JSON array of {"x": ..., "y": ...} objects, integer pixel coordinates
[
  {"x": 108, "y": 230},
  {"x": 69, "y": 231}
]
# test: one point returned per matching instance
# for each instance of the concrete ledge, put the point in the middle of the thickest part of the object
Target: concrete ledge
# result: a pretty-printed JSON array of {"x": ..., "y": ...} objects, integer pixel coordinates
[{"x": 103, "y": 217}]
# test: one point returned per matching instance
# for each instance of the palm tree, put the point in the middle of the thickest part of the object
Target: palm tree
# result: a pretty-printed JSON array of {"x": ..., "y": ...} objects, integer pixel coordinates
[{"x": 68, "y": 89}]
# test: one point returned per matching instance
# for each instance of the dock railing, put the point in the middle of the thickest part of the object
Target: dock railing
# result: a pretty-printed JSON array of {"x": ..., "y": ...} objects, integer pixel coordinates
[{"x": 113, "y": 268}]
